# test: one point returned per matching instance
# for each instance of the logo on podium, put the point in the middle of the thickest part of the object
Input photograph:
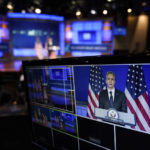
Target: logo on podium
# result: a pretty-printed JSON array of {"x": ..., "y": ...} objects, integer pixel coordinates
[{"x": 112, "y": 113}]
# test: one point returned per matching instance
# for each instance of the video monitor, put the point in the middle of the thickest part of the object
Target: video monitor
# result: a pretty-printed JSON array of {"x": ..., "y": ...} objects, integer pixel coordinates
[
  {"x": 120, "y": 31},
  {"x": 89, "y": 37},
  {"x": 32, "y": 35},
  {"x": 84, "y": 98}
]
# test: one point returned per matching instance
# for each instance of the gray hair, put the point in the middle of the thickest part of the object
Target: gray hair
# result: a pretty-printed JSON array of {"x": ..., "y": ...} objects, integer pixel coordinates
[{"x": 110, "y": 72}]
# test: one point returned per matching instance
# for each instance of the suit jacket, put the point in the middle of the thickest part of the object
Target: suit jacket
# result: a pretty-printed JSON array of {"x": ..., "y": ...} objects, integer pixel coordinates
[{"x": 119, "y": 101}]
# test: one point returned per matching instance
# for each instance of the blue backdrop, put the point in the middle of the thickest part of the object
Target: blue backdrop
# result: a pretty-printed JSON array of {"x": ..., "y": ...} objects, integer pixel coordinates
[{"x": 24, "y": 32}]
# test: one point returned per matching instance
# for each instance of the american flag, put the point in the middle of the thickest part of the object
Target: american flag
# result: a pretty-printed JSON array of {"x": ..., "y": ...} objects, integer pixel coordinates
[
  {"x": 96, "y": 84},
  {"x": 137, "y": 97}
]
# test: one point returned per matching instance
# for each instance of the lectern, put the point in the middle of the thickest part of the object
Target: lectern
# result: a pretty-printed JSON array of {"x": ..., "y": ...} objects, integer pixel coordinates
[{"x": 115, "y": 116}]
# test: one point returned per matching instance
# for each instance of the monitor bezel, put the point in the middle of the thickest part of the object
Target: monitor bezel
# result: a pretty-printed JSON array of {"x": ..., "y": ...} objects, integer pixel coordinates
[{"x": 88, "y": 60}]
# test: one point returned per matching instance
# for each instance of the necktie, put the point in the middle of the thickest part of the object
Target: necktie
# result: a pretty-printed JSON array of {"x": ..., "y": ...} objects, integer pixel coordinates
[{"x": 111, "y": 99}]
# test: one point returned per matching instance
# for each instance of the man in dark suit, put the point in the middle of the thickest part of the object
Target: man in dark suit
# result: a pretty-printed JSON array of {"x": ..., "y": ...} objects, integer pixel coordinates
[{"x": 112, "y": 97}]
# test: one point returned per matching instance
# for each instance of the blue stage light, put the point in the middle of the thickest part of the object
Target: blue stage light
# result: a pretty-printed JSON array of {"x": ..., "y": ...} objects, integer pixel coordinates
[{"x": 35, "y": 16}]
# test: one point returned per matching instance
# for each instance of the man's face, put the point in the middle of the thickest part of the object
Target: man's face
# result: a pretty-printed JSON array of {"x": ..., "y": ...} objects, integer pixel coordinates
[{"x": 110, "y": 80}]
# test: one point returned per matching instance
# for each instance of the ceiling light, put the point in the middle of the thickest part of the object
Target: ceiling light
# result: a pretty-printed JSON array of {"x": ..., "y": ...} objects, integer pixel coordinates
[
  {"x": 93, "y": 12},
  {"x": 105, "y": 12},
  {"x": 78, "y": 13},
  {"x": 73, "y": 2},
  {"x": 144, "y": 4},
  {"x": 37, "y": 2},
  {"x": 23, "y": 11},
  {"x": 109, "y": 0},
  {"x": 129, "y": 10},
  {"x": 9, "y": 6},
  {"x": 38, "y": 10}
]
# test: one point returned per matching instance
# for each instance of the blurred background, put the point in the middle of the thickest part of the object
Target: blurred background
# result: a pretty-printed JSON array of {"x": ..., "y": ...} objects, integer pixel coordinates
[{"x": 46, "y": 29}]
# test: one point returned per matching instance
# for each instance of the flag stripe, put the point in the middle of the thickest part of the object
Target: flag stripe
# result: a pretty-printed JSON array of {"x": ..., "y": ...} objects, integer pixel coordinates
[
  {"x": 129, "y": 111},
  {"x": 138, "y": 114},
  {"x": 136, "y": 117},
  {"x": 93, "y": 97},
  {"x": 92, "y": 100},
  {"x": 144, "y": 113},
  {"x": 90, "y": 111},
  {"x": 137, "y": 97},
  {"x": 97, "y": 97},
  {"x": 134, "y": 109},
  {"x": 96, "y": 84},
  {"x": 145, "y": 95},
  {"x": 90, "y": 105},
  {"x": 143, "y": 102}
]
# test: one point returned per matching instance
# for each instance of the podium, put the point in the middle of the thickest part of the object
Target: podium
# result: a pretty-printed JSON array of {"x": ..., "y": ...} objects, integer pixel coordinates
[{"x": 122, "y": 119}]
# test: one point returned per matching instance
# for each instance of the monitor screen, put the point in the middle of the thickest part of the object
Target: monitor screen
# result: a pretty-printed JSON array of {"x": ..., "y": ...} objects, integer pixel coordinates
[
  {"x": 86, "y": 36},
  {"x": 82, "y": 99},
  {"x": 120, "y": 31},
  {"x": 89, "y": 37},
  {"x": 32, "y": 34}
]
